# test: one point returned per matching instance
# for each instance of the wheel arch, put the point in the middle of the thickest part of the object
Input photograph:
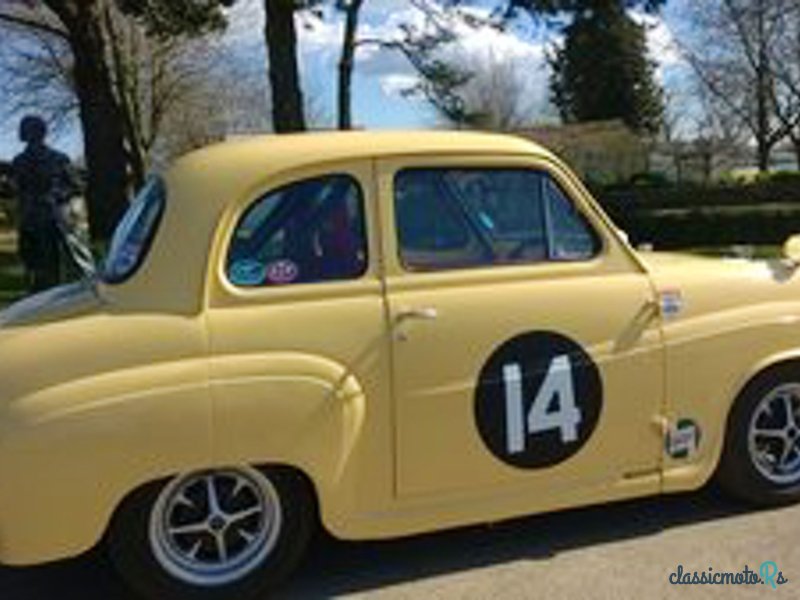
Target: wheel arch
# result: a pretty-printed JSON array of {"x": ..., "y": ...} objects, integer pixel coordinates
[
  {"x": 144, "y": 487},
  {"x": 765, "y": 368},
  {"x": 684, "y": 477}
]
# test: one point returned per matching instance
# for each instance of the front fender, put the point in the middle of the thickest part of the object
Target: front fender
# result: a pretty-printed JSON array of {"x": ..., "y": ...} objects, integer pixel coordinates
[{"x": 709, "y": 371}]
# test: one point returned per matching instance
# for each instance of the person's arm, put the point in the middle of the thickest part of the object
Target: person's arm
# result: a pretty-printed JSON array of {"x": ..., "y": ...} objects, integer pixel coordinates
[
  {"x": 68, "y": 181},
  {"x": 16, "y": 189}
]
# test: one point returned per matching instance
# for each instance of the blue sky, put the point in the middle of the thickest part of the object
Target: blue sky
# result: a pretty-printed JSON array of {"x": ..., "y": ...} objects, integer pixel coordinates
[{"x": 382, "y": 74}]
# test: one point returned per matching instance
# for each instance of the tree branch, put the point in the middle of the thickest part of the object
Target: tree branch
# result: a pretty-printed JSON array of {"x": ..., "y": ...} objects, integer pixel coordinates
[{"x": 35, "y": 25}]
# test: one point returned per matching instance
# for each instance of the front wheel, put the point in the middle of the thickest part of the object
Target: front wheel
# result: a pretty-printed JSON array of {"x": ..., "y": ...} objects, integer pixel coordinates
[
  {"x": 761, "y": 459},
  {"x": 223, "y": 534}
]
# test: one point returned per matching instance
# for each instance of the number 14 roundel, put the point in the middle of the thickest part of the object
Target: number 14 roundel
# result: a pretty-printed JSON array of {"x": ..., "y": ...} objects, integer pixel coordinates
[{"x": 538, "y": 400}]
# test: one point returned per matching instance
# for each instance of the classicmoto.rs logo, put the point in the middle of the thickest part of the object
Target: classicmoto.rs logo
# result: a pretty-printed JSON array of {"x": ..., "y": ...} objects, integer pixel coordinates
[{"x": 768, "y": 574}]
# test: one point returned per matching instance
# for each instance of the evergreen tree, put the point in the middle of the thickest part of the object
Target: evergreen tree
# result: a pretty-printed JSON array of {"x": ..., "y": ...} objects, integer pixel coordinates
[{"x": 602, "y": 70}]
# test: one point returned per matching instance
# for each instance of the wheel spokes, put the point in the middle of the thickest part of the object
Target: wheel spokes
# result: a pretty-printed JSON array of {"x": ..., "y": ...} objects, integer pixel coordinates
[
  {"x": 189, "y": 529},
  {"x": 195, "y": 550},
  {"x": 791, "y": 422},
  {"x": 222, "y": 547},
  {"x": 244, "y": 514},
  {"x": 770, "y": 433},
  {"x": 774, "y": 435},
  {"x": 788, "y": 449},
  {"x": 213, "y": 498},
  {"x": 183, "y": 500},
  {"x": 215, "y": 526},
  {"x": 216, "y": 520}
]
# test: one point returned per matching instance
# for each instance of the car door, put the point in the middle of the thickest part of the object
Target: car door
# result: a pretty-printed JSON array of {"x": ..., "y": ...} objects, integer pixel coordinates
[
  {"x": 527, "y": 352},
  {"x": 299, "y": 367}
]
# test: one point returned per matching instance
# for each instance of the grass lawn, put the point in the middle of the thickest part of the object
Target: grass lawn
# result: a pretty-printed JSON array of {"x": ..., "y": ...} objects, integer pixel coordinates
[{"x": 12, "y": 285}]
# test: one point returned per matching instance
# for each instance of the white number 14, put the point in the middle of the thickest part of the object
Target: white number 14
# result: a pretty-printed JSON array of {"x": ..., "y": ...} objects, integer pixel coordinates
[{"x": 557, "y": 382}]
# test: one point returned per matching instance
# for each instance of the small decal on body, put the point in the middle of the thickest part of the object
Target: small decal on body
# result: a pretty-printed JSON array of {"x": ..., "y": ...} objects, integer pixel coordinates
[
  {"x": 683, "y": 439},
  {"x": 670, "y": 302}
]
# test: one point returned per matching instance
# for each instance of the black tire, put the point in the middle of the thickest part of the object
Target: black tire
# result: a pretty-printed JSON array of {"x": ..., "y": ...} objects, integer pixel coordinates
[
  {"x": 737, "y": 474},
  {"x": 131, "y": 552}
]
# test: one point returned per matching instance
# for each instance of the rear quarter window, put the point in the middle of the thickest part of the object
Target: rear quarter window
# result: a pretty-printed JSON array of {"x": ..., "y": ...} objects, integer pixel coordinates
[
  {"x": 134, "y": 235},
  {"x": 306, "y": 232}
]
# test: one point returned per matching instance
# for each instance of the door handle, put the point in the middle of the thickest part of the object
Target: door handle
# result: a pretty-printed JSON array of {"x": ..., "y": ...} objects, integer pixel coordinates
[
  {"x": 419, "y": 314},
  {"x": 409, "y": 314}
]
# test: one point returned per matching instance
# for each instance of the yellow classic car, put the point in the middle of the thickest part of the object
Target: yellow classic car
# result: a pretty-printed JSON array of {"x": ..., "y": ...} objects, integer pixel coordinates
[{"x": 385, "y": 334}]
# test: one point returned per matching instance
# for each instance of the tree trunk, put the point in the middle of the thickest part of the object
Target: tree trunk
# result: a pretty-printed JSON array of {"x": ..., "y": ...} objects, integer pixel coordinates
[
  {"x": 122, "y": 74},
  {"x": 764, "y": 150},
  {"x": 347, "y": 63},
  {"x": 764, "y": 96},
  {"x": 284, "y": 76},
  {"x": 104, "y": 144},
  {"x": 795, "y": 139}
]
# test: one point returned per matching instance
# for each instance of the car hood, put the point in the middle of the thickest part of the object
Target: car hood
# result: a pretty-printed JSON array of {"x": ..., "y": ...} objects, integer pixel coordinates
[
  {"x": 707, "y": 284},
  {"x": 61, "y": 302},
  {"x": 671, "y": 260}
]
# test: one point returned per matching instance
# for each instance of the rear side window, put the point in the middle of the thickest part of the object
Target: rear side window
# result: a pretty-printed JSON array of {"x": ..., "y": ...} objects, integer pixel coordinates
[
  {"x": 307, "y": 232},
  {"x": 134, "y": 235},
  {"x": 456, "y": 218}
]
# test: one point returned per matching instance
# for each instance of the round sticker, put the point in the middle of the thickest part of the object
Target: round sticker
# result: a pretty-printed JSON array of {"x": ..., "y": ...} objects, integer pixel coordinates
[
  {"x": 247, "y": 272},
  {"x": 282, "y": 271},
  {"x": 538, "y": 400}
]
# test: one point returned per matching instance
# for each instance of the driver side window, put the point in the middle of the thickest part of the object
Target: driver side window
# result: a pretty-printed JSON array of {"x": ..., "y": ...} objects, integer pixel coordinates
[{"x": 457, "y": 218}]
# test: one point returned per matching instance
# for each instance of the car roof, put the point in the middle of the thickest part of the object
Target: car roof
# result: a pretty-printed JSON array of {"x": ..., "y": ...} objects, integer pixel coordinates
[{"x": 287, "y": 151}]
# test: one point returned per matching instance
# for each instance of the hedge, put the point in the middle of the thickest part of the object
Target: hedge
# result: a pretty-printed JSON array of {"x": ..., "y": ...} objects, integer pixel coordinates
[
  {"x": 778, "y": 189},
  {"x": 761, "y": 213}
]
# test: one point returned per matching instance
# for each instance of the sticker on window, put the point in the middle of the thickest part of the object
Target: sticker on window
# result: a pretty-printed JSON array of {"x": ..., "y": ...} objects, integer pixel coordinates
[
  {"x": 282, "y": 272},
  {"x": 248, "y": 272}
]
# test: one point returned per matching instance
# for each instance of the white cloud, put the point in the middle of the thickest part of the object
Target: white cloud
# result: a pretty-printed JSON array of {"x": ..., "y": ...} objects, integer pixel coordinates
[
  {"x": 394, "y": 84},
  {"x": 661, "y": 42},
  {"x": 484, "y": 46},
  {"x": 387, "y": 69}
]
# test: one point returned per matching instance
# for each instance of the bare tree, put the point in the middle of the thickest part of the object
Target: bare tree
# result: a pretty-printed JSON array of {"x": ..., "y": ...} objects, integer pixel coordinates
[
  {"x": 704, "y": 137},
  {"x": 497, "y": 94},
  {"x": 731, "y": 48},
  {"x": 155, "y": 79},
  {"x": 82, "y": 54},
  {"x": 36, "y": 69},
  {"x": 158, "y": 82},
  {"x": 786, "y": 70},
  {"x": 74, "y": 27}
]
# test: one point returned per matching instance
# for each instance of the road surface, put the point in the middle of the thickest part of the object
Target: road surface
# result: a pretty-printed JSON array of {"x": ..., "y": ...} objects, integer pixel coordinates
[{"x": 619, "y": 551}]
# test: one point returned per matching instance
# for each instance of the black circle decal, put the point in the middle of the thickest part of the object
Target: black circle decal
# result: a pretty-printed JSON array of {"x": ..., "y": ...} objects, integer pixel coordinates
[{"x": 538, "y": 400}]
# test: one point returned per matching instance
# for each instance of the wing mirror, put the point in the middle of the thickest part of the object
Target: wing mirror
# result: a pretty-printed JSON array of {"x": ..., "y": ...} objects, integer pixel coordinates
[{"x": 791, "y": 250}]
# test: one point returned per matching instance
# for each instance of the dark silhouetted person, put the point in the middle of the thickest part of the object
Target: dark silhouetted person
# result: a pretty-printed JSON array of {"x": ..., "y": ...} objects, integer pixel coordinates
[{"x": 45, "y": 184}]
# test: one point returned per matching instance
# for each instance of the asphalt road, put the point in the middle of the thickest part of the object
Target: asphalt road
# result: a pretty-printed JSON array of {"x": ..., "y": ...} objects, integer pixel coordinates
[{"x": 618, "y": 551}]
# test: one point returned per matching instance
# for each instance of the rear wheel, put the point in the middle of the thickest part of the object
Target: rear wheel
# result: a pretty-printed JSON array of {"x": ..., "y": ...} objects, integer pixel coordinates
[
  {"x": 228, "y": 533},
  {"x": 761, "y": 459}
]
